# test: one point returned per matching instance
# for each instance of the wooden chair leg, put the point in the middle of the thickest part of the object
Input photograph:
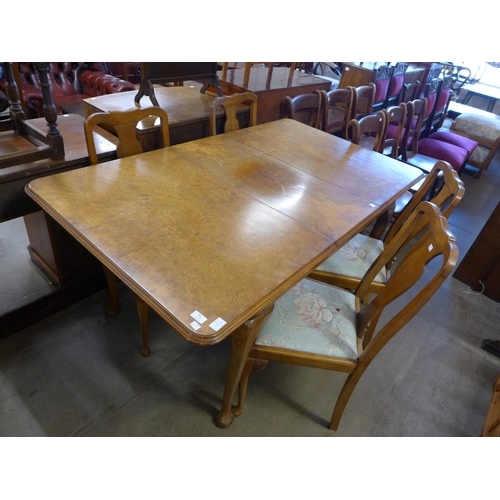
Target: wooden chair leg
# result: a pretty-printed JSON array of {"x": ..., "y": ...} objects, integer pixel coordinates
[
  {"x": 251, "y": 365},
  {"x": 113, "y": 308},
  {"x": 242, "y": 340},
  {"x": 143, "y": 310}
]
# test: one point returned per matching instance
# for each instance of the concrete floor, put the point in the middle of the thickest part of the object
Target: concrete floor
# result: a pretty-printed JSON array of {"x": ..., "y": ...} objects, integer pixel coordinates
[{"x": 79, "y": 373}]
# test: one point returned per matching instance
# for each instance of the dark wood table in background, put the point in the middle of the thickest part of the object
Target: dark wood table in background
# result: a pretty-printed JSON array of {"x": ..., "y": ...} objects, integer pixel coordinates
[{"x": 271, "y": 88}]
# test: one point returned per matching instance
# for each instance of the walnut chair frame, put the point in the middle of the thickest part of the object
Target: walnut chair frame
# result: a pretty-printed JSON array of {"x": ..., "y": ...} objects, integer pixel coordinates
[
  {"x": 446, "y": 198},
  {"x": 231, "y": 104},
  {"x": 124, "y": 124},
  {"x": 437, "y": 240}
]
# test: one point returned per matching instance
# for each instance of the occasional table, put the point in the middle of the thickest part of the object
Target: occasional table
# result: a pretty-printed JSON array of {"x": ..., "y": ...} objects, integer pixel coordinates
[
  {"x": 491, "y": 94},
  {"x": 210, "y": 233}
]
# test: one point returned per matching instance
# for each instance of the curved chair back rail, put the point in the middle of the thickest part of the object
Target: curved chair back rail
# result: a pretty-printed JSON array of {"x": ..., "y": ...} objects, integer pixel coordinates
[
  {"x": 321, "y": 326},
  {"x": 305, "y": 108},
  {"x": 231, "y": 104},
  {"x": 124, "y": 124}
]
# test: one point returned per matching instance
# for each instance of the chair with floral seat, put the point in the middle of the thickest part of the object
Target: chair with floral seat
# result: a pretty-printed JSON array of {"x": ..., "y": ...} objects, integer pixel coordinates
[
  {"x": 325, "y": 327},
  {"x": 347, "y": 266}
]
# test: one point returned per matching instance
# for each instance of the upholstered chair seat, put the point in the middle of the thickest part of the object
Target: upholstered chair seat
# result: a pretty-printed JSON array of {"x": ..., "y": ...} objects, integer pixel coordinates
[{"x": 313, "y": 317}]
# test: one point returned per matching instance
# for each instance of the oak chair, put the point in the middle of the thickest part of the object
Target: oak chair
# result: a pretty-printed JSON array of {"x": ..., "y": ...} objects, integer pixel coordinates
[
  {"x": 338, "y": 106},
  {"x": 396, "y": 122},
  {"x": 347, "y": 266},
  {"x": 124, "y": 124},
  {"x": 370, "y": 131},
  {"x": 231, "y": 104},
  {"x": 305, "y": 108},
  {"x": 325, "y": 327}
]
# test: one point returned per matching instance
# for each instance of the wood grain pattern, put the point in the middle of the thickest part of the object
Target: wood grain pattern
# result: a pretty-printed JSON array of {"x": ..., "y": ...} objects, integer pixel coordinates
[{"x": 227, "y": 224}]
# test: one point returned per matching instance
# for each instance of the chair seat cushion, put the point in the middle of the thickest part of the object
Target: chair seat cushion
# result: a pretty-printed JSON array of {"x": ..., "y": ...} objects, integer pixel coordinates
[
  {"x": 458, "y": 140},
  {"x": 441, "y": 150},
  {"x": 354, "y": 258},
  {"x": 315, "y": 318}
]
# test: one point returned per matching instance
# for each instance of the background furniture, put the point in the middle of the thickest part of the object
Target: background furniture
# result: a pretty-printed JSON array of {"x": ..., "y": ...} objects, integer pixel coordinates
[
  {"x": 176, "y": 72},
  {"x": 39, "y": 144},
  {"x": 271, "y": 88},
  {"x": 480, "y": 267},
  {"x": 187, "y": 108},
  {"x": 231, "y": 105},
  {"x": 306, "y": 108},
  {"x": 70, "y": 83},
  {"x": 484, "y": 128}
]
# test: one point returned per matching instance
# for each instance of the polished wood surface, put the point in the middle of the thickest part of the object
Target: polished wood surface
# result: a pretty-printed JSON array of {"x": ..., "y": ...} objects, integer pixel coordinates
[
  {"x": 187, "y": 108},
  {"x": 226, "y": 224},
  {"x": 272, "y": 88},
  {"x": 13, "y": 200}
]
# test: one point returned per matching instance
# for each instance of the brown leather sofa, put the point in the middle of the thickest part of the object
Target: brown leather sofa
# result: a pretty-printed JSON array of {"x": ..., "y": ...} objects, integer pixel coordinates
[{"x": 70, "y": 83}]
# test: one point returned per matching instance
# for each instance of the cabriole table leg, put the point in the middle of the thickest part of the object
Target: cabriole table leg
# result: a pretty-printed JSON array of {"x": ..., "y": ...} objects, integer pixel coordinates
[{"x": 242, "y": 340}]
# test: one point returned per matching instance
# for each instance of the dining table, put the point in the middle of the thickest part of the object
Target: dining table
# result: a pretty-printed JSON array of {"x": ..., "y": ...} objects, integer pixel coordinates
[{"x": 211, "y": 232}]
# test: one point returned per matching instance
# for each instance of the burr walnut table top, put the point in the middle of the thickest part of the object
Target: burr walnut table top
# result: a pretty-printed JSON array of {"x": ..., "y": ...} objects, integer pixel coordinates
[{"x": 220, "y": 227}]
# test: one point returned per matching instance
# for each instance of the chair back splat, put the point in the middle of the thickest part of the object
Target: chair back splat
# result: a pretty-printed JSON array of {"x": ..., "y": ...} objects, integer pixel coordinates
[
  {"x": 124, "y": 124},
  {"x": 321, "y": 326},
  {"x": 338, "y": 107},
  {"x": 232, "y": 104},
  {"x": 442, "y": 187},
  {"x": 305, "y": 108},
  {"x": 370, "y": 131}
]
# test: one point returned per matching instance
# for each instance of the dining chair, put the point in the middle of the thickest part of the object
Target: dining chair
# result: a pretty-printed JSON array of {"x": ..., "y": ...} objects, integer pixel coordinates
[
  {"x": 436, "y": 118},
  {"x": 365, "y": 94},
  {"x": 423, "y": 152},
  {"x": 370, "y": 131},
  {"x": 411, "y": 91},
  {"x": 382, "y": 80},
  {"x": 321, "y": 326},
  {"x": 232, "y": 104},
  {"x": 305, "y": 108},
  {"x": 338, "y": 106},
  {"x": 347, "y": 266},
  {"x": 396, "y": 123},
  {"x": 124, "y": 125},
  {"x": 396, "y": 83}
]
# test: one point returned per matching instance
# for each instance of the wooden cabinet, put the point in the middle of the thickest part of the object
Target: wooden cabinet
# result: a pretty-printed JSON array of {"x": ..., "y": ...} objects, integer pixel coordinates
[
  {"x": 480, "y": 267},
  {"x": 354, "y": 75}
]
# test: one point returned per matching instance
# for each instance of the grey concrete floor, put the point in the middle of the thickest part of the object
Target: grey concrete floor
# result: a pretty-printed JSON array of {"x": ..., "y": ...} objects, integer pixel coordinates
[{"x": 79, "y": 373}]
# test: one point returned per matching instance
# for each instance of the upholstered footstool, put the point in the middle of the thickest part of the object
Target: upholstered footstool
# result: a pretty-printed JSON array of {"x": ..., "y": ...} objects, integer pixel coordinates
[{"x": 483, "y": 127}]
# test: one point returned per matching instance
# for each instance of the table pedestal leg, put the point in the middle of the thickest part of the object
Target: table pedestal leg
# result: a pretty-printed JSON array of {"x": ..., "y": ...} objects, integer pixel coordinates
[
  {"x": 113, "y": 308},
  {"x": 242, "y": 340}
]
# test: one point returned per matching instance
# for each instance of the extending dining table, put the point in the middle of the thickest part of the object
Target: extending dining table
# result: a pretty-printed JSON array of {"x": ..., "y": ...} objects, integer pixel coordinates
[{"x": 211, "y": 232}]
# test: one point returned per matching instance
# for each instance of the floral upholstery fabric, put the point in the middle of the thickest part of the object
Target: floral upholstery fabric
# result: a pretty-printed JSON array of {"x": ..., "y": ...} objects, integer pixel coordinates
[
  {"x": 314, "y": 318},
  {"x": 355, "y": 257},
  {"x": 478, "y": 126}
]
